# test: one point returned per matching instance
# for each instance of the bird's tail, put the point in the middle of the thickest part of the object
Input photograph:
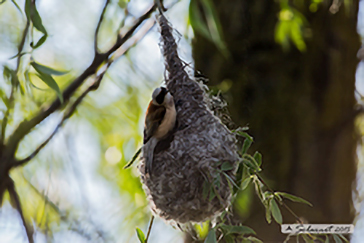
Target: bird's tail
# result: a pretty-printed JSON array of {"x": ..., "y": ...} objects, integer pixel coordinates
[{"x": 148, "y": 152}]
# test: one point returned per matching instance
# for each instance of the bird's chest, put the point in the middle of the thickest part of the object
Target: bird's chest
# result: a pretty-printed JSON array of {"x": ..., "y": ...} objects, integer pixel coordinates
[{"x": 166, "y": 125}]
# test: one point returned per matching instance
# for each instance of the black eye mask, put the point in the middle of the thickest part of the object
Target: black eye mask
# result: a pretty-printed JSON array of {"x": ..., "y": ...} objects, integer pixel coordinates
[{"x": 161, "y": 95}]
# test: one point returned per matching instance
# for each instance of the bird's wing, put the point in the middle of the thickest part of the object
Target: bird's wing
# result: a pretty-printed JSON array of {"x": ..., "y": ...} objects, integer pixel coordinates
[{"x": 153, "y": 119}]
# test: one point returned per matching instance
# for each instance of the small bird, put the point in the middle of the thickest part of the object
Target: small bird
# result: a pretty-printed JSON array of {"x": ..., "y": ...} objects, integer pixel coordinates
[{"x": 159, "y": 121}]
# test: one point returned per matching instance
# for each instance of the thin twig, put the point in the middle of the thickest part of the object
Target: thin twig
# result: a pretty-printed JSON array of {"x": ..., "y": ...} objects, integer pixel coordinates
[
  {"x": 149, "y": 229},
  {"x": 136, "y": 155},
  {"x": 27, "y": 125},
  {"x": 66, "y": 115},
  {"x": 281, "y": 202},
  {"x": 13, "y": 85},
  {"x": 64, "y": 216},
  {"x": 160, "y": 6},
  {"x": 7, "y": 113},
  {"x": 46, "y": 198},
  {"x": 93, "y": 87},
  {"x": 15, "y": 198},
  {"x": 121, "y": 40},
  {"x": 99, "y": 24}
]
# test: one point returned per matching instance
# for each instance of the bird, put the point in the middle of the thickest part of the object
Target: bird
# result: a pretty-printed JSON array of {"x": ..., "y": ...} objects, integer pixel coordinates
[{"x": 160, "y": 120}]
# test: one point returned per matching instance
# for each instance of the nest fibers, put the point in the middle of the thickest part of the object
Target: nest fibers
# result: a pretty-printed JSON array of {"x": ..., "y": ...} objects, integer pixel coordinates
[{"x": 192, "y": 168}]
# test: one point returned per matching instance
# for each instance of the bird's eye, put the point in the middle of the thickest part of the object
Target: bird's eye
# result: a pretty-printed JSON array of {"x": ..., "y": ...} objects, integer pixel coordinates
[{"x": 160, "y": 98}]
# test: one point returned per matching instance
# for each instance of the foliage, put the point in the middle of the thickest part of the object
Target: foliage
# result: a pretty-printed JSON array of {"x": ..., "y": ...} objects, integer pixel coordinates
[
  {"x": 110, "y": 121},
  {"x": 52, "y": 188},
  {"x": 271, "y": 200},
  {"x": 290, "y": 27},
  {"x": 204, "y": 20}
]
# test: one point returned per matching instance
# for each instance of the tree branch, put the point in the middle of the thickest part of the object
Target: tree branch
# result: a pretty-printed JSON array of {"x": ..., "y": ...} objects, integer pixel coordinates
[
  {"x": 66, "y": 115},
  {"x": 15, "y": 199},
  {"x": 13, "y": 84},
  {"x": 281, "y": 202},
  {"x": 7, "y": 113},
  {"x": 93, "y": 87},
  {"x": 26, "y": 126},
  {"x": 149, "y": 228},
  {"x": 99, "y": 24},
  {"x": 121, "y": 40}
]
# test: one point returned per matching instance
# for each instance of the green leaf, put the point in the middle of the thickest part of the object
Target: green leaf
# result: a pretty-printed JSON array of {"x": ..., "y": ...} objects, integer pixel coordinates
[
  {"x": 307, "y": 239},
  {"x": 17, "y": 6},
  {"x": 337, "y": 239},
  {"x": 217, "y": 181},
  {"x": 239, "y": 176},
  {"x": 3, "y": 1},
  {"x": 244, "y": 134},
  {"x": 202, "y": 229},
  {"x": 204, "y": 20},
  {"x": 246, "y": 182},
  {"x": 231, "y": 180},
  {"x": 258, "y": 158},
  {"x": 7, "y": 73},
  {"x": 296, "y": 36},
  {"x": 258, "y": 189},
  {"x": 214, "y": 26},
  {"x": 40, "y": 42},
  {"x": 196, "y": 19},
  {"x": 33, "y": 15},
  {"x": 4, "y": 99},
  {"x": 276, "y": 212},
  {"x": 268, "y": 212},
  {"x": 343, "y": 237},
  {"x": 123, "y": 3},
  {"x": 282, "y": 32},
  {"x": 229, "y": 239},
  {"x": 251, "y": 162},
  {"x": 11, "y": 75},
  {"x": 205, "y": 189},
  {"x": 236, "y": 229},
  {"x": 253, "y": 239},
  {"x": 47, "y": 70},
  {"x": 227, "y": 166},
  {"x": 211, "y": 237},
  {"x": 293, "y": 198},
  {"x": 52, "y": 84},
  {"x": 327, "y": 240},
  {"x": 212, "y": 193},
  {"x": 246, "y": 145},
  {"x": 140, "y": 235}
]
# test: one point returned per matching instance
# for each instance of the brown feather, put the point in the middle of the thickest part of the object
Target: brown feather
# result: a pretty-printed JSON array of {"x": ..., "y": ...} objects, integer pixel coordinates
[{"x": 153, "y": 119}]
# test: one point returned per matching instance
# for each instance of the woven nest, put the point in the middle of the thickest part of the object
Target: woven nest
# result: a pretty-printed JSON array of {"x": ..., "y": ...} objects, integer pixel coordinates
[{"x": 187, "y": 184}]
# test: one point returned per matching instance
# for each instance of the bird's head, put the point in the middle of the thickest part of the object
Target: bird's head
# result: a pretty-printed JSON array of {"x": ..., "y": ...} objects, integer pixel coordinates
[{"x": 162, "y": 97}]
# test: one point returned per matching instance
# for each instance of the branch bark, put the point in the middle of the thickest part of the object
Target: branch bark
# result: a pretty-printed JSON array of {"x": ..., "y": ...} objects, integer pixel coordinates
[
  {"x": 93, "y": 87},
  {"x": 13, "y": 84},
  {"x": 99, "y": 24},
  {"x": 16, "y": 201},
  {"x": 27, "y": 125}
]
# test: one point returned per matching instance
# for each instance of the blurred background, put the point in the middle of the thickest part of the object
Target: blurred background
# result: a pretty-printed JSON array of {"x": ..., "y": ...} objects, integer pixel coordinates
[{"x": 288, "y": 69}]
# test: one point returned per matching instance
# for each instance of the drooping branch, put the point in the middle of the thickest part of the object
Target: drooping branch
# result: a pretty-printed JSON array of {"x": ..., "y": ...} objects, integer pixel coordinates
[
  {"x": 14, "y": 83},
  {"x": 27, "y": 125},
  {"x": 137, "y": 37},
  {"x": 67, "y": 115},
  {"x": 121, "y": 40},
  {"x": 16, "y": 201},
  {"x": 98, "y": 26}
]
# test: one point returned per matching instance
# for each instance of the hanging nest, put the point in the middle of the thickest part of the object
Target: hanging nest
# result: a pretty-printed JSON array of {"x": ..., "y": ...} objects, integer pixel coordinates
[{"x": 194, "y": 167}]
